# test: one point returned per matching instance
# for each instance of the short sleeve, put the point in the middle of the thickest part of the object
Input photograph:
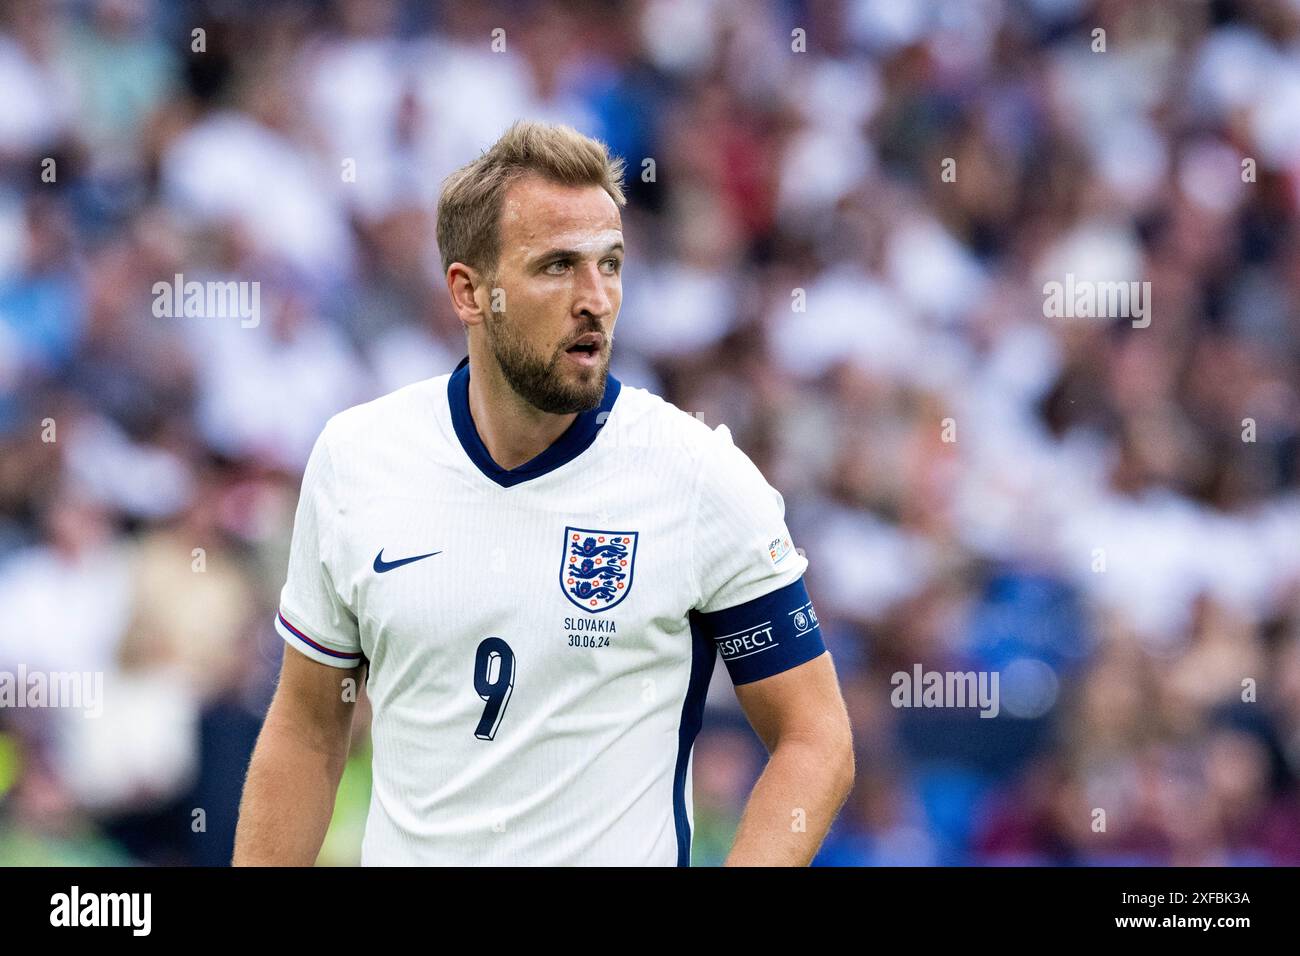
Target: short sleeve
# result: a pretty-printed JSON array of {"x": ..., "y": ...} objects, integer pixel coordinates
[
  {"x": 742, "y": 545},
  {"x": 752, "y": 599},
  {"x": 312, "y": 616}
]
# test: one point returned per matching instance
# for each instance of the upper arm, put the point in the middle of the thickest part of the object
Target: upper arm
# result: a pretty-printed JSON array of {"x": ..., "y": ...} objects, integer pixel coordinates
[
  {"x": 801, "y": 703},
  {"x": 314, "y": 703},
  {"x": 319, "y": 673},
  {"x": 752, "y": 603},
  {"x": 741, "y": 547}
]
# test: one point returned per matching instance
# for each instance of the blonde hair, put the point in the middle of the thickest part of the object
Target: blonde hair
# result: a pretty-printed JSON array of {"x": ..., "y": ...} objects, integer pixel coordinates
[{"x": 469, "y": 209}]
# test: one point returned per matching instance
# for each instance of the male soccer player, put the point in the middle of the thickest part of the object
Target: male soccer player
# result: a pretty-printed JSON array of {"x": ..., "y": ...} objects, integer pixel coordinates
[{"x": 538, "y": 566}]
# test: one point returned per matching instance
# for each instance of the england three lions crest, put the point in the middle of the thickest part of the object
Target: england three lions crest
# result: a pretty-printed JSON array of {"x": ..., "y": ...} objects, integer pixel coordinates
[{"x": 596, "y": 572}]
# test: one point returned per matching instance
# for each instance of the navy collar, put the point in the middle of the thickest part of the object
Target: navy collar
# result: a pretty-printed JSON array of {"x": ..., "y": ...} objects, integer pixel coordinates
[{"x": 575, "y": 440}]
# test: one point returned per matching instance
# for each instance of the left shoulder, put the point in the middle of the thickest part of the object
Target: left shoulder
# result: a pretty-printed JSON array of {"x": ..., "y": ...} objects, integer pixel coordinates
[
  {"x": 642, "y": 418},
  {"x": 684, "y": 448}
]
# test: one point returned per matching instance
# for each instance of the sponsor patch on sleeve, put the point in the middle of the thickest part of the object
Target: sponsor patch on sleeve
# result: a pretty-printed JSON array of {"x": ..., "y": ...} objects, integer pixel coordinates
[{"x": 780, "y": 549}]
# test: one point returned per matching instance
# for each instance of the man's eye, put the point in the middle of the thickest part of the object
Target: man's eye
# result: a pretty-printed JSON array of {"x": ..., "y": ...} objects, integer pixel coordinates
[
  {"x": 613, "y": 265},
  {"x": 557, "y": 268}
]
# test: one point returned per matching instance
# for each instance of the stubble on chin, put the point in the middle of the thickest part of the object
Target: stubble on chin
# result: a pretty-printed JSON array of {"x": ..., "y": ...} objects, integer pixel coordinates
[{"x": 543, "y": 383}]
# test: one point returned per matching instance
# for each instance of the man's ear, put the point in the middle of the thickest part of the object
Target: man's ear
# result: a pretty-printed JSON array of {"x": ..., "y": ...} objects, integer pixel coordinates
[{"x": 468, "y": 293}]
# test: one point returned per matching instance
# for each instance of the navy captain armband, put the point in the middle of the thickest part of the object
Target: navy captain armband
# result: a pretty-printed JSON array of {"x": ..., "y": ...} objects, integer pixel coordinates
[{"x": 765, "y": 636}]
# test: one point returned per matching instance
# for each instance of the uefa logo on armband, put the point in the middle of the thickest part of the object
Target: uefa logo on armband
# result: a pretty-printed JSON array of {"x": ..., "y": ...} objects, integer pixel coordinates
[{"x": 596, "y": 572}]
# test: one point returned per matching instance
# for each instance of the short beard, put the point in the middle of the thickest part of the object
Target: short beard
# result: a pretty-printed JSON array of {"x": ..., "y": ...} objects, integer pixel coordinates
[{"x": 538, "y": 382}]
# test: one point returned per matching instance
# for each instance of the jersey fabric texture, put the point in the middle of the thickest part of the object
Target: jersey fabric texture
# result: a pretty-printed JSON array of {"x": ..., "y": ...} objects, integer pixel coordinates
[{"x": 539, "y": 640}]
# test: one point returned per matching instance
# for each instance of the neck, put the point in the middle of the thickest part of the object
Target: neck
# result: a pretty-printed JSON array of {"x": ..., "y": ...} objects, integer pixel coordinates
[{"x": 513, "y": 431}]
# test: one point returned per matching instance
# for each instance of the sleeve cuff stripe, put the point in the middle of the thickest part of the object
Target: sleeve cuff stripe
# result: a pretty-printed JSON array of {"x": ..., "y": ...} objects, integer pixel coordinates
[{"x": 310, "y": 643}]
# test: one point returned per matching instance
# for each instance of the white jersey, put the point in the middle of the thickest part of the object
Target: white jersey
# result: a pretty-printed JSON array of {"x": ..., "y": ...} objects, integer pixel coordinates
[{"x": 539, "y": 639}]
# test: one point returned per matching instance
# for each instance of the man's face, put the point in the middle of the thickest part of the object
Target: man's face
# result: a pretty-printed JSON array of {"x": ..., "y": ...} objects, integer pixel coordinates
[{"x": 561, "y": 274}]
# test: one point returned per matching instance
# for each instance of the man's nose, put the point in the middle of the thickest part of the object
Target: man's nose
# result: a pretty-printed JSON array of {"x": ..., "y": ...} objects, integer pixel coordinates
[{"x": 592, "y": 294}]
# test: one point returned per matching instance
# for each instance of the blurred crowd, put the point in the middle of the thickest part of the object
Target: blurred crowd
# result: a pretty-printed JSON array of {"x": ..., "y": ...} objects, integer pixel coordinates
[{"x": 1107, "y": 516}]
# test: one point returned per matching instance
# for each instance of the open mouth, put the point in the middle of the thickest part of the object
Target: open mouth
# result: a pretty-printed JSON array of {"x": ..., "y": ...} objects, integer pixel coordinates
[{"x": 587, "y": 348}]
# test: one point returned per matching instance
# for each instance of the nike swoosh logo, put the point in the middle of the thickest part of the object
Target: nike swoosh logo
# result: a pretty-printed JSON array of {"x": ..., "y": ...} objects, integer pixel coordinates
[{"x": 381, "y": 565}]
